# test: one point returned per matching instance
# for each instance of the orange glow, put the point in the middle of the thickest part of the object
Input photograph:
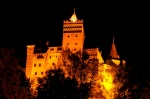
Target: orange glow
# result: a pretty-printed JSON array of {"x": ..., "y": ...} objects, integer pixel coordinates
[
  {"x": 73, "y": 17},
  {"x": 73, "y": 40},
  {"x": 104, "y": 85},
  {"x": 107, "y": 82}
]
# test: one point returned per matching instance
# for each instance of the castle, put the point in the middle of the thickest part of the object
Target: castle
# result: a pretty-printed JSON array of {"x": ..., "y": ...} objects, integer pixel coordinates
[{"x": 39, "y": 60}]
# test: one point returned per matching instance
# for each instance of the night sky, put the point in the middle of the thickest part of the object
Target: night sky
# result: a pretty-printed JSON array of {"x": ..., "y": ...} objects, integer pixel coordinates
[{"x": 27, "y": 23}]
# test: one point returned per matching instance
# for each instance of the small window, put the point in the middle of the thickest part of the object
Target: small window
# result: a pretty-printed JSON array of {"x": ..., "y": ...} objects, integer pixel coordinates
[
  {"x": 56, "y": 56},
  {"x": 35, "y": 73},
  {"x": 75, "y": 49},
  {"x": 34, "y": 65},
  {"x": 76, "y": 35},
  {"x": 53, "y": 63},
  {"x": 41, "y": 73},
  {"x": 75, "y": 43},
  {"x": 39, "y": 64},
  {"x": 52, "y": 49},
  {"x": 68, "y": 36},
  {"x": 50, "y": 57},
  {"x": 59, "y": 48},
  {"x": 67, "y": 43}
]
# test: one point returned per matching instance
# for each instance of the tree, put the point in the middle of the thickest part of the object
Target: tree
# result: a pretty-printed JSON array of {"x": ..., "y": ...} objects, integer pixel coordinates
[
  {"x": 78, "y": 65},
  {"x": 73, "y": 80},
  {"x": 56, "y": 86},
  {"x": 10, "y": 76},
  {"x": 135, "y": 80}
]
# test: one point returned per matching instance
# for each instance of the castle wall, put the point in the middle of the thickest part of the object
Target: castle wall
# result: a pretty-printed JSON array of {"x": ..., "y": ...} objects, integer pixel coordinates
[
  {"x": 38, "y": 66},
  {"x": 73, "y": 41},
  {"x": 53, "y": 57}
]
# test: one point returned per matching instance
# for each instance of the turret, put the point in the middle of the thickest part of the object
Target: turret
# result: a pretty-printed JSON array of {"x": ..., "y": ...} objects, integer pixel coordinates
[
  {"x": 73, "y": 34},
  {"x": 113, "y": 58},
  {"x": 29, "y": 60}
]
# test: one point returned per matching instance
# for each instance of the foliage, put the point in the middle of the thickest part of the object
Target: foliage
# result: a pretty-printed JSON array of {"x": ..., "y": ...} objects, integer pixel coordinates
[
  {"x": 78, "y": 65},
  {"x": 135, "y": 80},
  {"x": 10, "y": 76},
  {"x": 72, "y": 80},
  {"x": 56, "y": 86}
]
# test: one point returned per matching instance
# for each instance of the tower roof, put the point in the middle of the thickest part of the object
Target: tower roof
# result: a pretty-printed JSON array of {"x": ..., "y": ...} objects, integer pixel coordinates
[
  {"x": 73, "y": 17},
  {"x": 113, "y": 52}
]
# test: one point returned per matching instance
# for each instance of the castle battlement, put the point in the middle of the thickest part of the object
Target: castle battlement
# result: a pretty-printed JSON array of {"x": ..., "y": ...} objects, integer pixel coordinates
[{"x": 70, "y": 22}]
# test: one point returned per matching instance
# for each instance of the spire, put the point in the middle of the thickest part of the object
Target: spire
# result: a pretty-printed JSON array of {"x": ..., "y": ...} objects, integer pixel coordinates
[
  {"x": 73, "y": 17},
  {"x": 47, "y": 43},
  {"x": 113, "y": 40},
  {"x": 113, "y": 53}
]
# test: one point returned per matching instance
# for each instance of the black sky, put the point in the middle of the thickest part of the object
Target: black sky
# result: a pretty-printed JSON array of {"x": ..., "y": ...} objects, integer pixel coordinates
[{"x": 26, "y": 23}]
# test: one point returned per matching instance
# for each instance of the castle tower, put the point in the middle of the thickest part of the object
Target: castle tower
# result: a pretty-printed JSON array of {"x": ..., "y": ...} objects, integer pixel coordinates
[
  {"x": 113, "y": 57},
  {"x": 113, "y": 52},
  {"x": 29, "y": 60},
  {"x": 73, "y": 34}
]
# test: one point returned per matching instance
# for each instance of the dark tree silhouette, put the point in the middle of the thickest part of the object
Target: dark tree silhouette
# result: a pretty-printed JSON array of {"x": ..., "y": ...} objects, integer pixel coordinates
[
  {"x": 80, "y": 66},
  {"x": 135, "y": 80},
  {"x": 75, "y": 85},
  {"x": 56, "y": 86},
  {"x": 10, "y": 76}
]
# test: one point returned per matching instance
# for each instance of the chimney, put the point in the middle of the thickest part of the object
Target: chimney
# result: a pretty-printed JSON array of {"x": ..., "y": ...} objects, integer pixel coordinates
[{"x": 47, "y": 43}]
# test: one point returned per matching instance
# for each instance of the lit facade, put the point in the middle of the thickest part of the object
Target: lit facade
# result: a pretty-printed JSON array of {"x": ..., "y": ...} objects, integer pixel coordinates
[
  {"x": 38, "y": 61},
  {"x": 41, "y": 59}
]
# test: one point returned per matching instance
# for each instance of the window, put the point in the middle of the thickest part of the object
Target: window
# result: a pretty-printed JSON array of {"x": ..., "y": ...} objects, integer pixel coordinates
[
  {"x": 41, "y": 73},
  {"x": 67, "y": 43},
  {"x": 35, "y": 73},
  {"x": 75, "y": 49},
  {"x": 50, "y": 57},
  {"x": 68, "y": 36},
  {"x": 56, "y": 56},
  {"x": 52, "y": 49},
  {"x": 59, "y": 48},
  {"x": 53, "y": 63},
  {"x": 34, "y": 65},
  {"x": 75, "y": 43},
  {"x": 39, "y": 64},
  {"x": 76, "y": 35}
]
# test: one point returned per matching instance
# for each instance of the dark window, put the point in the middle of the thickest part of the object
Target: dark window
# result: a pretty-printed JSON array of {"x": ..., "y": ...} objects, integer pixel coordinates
[
  {"x": 75, "y": 43},
  {"x": 53, "y": 63},
  {"x": 39, "y": 64},
  {"x": 52, "y": 49},
  {"x": 34, "y": 65},
  {"x": 41, "y": 73},
  {"x": 50, "y": 57},
  {"x": 35, "y": 73},
  {"x": 76, "y": 35},
  {"x": 68, "y": 36},
  {"x": 59, "y": 48},
  {"x": 67, "y": 43}
]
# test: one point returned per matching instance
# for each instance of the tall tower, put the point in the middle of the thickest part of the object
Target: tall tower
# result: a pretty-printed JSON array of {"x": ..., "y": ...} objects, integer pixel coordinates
[
  {"x": 73, "y": 34},
  {"x": 29, "y": 60},
  {"x": 113, "y": 52},
  {"x": 113, "y": 56}
]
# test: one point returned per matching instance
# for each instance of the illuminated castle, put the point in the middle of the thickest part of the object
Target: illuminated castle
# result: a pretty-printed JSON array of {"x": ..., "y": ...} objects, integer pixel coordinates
[{"x": 41, "y": 59}]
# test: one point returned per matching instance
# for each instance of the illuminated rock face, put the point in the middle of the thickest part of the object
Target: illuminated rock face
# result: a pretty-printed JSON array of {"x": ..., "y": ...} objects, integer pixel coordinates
[{"x": 38, "y": 61}]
